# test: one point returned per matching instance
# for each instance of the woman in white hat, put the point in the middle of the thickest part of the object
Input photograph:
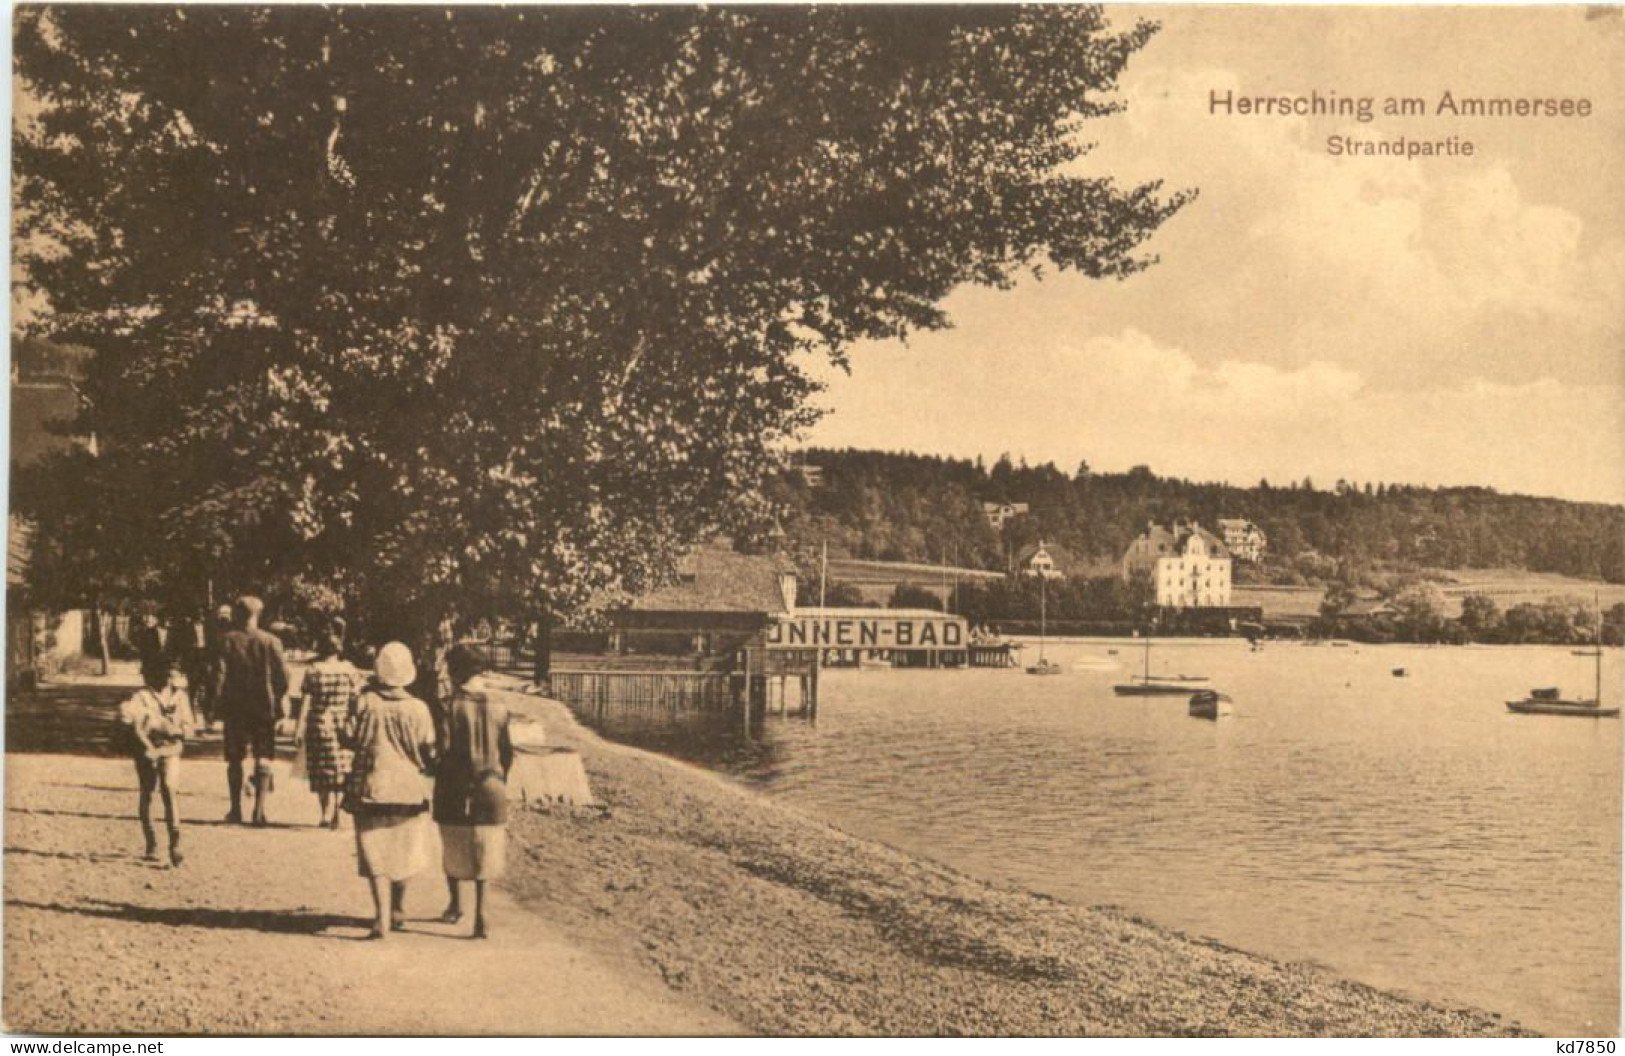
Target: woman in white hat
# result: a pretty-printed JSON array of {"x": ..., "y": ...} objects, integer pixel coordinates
[{"x": 389, "y": 786}]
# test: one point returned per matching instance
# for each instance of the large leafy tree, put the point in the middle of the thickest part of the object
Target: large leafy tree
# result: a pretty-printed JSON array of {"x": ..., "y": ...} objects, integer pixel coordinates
[{"x": 436, "y": 305}]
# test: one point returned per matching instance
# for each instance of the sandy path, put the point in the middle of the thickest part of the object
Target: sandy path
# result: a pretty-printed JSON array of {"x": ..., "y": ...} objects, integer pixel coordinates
[{"x": 259, "y": 931}]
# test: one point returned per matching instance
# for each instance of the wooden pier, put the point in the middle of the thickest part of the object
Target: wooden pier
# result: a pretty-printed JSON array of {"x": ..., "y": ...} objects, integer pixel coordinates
[
  {"x": 755, "y": 680},
  {"x": 1001, "y": 655},
  {"x": 645, "y": 688}
]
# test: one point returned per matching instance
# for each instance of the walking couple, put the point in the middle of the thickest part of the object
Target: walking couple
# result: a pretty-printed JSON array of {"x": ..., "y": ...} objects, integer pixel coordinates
[{"x": 397, "y": 747}]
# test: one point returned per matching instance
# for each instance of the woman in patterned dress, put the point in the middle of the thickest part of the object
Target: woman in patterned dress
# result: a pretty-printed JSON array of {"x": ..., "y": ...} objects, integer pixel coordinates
[{"x": 330, "y": 692}]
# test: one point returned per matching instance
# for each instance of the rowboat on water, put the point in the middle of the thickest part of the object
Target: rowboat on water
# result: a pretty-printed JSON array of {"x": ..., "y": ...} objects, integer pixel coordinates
[{"x": 1210, "y": 704}]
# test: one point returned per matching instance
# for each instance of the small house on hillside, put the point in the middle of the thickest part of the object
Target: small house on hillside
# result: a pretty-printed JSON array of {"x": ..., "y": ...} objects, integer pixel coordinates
[
  {"x": 1244, "y": 539},
  {"x": 999, "y": 514},
  {"x": 1048, "y": 560}
]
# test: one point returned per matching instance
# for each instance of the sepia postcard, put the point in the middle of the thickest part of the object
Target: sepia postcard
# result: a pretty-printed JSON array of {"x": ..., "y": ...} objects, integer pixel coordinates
[{"x": 815, "y": 520}]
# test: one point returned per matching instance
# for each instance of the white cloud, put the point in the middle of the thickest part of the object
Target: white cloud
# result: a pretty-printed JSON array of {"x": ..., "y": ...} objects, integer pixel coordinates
[
  {"x": 1400, "y": 266},
  {"x": 1125, "y": 399},
  {"x": 1456, "y": 320}
]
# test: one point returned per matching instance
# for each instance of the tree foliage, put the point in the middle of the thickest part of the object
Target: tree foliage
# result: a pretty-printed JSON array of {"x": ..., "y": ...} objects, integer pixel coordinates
[
  {"x": 913, "y": 596},
  {"x": 917, "y": 508},
  {"x": 1480, "y": 617},
  {"x": 440, "y": 305}
]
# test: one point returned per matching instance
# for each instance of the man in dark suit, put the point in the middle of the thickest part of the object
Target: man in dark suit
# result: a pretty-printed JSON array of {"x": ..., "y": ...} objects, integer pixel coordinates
[{"x": 251, "y": 681}]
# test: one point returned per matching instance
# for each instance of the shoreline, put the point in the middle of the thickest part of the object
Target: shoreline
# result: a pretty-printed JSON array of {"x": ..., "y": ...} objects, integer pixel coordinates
[
  {"x": 684, "y": 904},
  {"x": 788, "y": 925}
]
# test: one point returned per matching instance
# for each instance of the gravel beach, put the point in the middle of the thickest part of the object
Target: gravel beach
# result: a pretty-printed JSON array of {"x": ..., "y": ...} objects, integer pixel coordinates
[
  {"x": 789, "y": 926},
  {"x": 682, "y": 905}
]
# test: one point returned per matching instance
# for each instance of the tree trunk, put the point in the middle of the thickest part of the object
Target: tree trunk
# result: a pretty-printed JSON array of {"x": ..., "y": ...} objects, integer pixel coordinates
[{"x": 98, "y": 626}]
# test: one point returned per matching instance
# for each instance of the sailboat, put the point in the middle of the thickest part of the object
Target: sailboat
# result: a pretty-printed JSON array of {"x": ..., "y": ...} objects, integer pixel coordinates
[
  {"x": 1551, "y": 701},
  {"x": 1146, "y": 686},
  {"x": 1043, "y": 667}
]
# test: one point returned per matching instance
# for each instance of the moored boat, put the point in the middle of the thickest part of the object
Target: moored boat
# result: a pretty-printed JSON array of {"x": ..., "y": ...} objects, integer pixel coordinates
[
  {"x": 1144, "y": 685},
  {"x": 1585, "y": 708},
  {"x": 1043, "y": 667},
  {"x": 1153, "y": 688},
  {"x": 1210, "y": 704},
  {"x": 1550, "y": 700}
]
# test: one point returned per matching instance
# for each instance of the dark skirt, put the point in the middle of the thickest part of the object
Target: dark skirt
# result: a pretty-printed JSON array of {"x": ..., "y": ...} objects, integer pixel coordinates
[{"x": 464, "y": 800}]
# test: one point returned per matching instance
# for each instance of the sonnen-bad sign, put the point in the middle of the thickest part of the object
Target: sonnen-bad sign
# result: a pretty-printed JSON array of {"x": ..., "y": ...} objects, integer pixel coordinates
[{"x": 867, "y": 629}]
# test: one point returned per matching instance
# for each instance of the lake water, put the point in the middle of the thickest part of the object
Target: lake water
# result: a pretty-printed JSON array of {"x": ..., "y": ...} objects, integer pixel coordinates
[{"x": 1407, "y": 832}]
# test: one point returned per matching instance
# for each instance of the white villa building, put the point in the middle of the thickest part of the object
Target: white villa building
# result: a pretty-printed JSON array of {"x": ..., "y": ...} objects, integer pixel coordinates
[
  {"x": 1188, "y": 565},
  {"x": 1244, "y": 539}
]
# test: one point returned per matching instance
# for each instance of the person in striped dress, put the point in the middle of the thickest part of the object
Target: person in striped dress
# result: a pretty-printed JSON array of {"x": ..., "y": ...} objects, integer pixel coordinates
[{"x": 330, "y": 692}]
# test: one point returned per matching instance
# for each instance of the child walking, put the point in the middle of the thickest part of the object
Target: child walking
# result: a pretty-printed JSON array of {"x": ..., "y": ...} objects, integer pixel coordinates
[{"x": 157, "y": 721}]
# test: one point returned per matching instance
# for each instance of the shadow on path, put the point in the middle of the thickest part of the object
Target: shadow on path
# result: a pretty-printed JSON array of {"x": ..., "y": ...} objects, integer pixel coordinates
[
  {"x": 157, "y": 817},
  {"x": 65, "y": 717},
  {"x": 81, "y": 718},
  {"x": 82, "y": 856},
  {"x": 264, "y": 920},
  {"x": 129, "y": 789}
]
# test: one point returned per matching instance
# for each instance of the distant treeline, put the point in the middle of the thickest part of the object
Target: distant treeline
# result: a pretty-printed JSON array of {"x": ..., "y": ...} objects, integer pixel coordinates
[
  {"x": 1109, "y": 605},
  {"x": 904, "y": 507}
]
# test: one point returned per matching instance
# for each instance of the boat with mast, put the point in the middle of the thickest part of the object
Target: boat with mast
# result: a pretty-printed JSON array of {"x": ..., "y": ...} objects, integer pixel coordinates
[
  {"x": 1143, "y": 685},
  {"x": 1552, "y": 702},
  {"x": 1043, "y": 667}
]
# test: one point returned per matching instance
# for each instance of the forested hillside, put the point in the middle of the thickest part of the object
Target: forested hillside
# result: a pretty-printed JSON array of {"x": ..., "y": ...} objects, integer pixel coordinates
[{"x": 908, "y": 507}]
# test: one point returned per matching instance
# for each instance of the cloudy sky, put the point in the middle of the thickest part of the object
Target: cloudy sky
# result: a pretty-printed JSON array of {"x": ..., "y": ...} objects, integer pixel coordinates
[{"x": 1439, "y": 321}]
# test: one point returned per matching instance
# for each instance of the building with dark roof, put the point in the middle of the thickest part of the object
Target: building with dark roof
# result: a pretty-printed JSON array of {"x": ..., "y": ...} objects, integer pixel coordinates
[
  {"x": 999, "y": 514},
  {"x": 1188, "y": 565},
  {"x": 719, "y": 600},
  {"x": 1049, "y": 560},
  {"x": 1244, "y": 539}
]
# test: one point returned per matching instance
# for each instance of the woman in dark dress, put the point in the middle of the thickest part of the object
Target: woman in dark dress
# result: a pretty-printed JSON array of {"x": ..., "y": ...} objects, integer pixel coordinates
[{"x": 471, "y": 788}]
